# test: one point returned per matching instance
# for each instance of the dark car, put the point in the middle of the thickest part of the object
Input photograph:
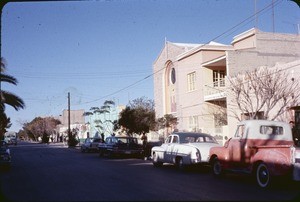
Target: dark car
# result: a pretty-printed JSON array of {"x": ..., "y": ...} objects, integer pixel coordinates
[
  {"x": 5, "y": 157},
  {"x": 90, "y": 145},
  {"x": 120, "y": 146}
]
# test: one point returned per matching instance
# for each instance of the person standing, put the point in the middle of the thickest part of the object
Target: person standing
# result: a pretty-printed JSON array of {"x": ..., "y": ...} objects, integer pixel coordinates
[{"x": 144, "y": 139}]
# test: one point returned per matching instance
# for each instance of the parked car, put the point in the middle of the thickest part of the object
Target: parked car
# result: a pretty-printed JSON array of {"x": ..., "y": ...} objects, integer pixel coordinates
[
  {"x": 120, "y": 146},
  {"x": 5, "y": 157},
  {"x": 90, "y": 144},
  {"x": 10, "y": 138},
  {"x": 184, "y": 148}
]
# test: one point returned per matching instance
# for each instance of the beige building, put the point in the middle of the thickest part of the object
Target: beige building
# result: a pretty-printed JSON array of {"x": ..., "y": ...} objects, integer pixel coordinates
[
  {"x": 190, "y": 80},
  {"x": 77, "y": 121}
]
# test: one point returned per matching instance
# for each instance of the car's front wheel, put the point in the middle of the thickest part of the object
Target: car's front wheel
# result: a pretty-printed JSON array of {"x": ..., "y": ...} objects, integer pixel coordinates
[
  {"x": 262, "y": 175},
  {"x": 156, "y": 161},
  {"x": 179, "y": 163}
]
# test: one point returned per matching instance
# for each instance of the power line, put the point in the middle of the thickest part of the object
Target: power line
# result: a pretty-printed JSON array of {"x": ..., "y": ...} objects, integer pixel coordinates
[
  {"x": 274, "y": 3},
  {"x": 136, "y": 73}
]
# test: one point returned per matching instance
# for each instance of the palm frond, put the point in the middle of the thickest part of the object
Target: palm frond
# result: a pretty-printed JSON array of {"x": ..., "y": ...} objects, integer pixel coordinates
[
  {"x": 87, "y": 113},
  {"x": 8, "y": 79},
  {"x": 12, "y": 100}
]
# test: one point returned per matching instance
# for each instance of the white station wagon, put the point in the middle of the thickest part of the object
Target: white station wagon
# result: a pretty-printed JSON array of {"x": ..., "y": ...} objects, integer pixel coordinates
[{"x": 184, "y": 148}]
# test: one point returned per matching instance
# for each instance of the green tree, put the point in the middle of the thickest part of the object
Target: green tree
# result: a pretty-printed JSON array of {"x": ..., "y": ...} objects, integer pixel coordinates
[
  {"x": 7, "y": 98},
  {"x": 41, "y": 127},
  {"x": 167, "y": 121},
  {"x": 138, "y": 117},
  {"x": 73, "y": 139}
]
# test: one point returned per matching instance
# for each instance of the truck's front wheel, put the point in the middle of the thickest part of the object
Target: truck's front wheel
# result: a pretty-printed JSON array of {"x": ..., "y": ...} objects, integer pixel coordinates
[
  {"x": 262, "y": 175},
  {"x": 217, "y": 168}
]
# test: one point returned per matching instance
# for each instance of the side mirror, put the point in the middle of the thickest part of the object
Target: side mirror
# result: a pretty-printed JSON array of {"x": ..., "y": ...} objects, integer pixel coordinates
[{"x": 226, "y": 138}]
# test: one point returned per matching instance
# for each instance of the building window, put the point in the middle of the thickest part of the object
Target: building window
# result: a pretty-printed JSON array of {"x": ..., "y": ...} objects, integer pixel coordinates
[
  {"x": 173, "y": 76},
  {"x": 173, "y": 103},
  {"x": 219, "y": 78},
  {"x": 193, "y": 123},
  {"x": 191, "y": 81},
  {"x": 247, "y": 116}
]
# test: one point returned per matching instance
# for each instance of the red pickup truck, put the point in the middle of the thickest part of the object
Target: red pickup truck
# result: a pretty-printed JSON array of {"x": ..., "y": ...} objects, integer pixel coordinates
[{"x": 260, "y": 147}]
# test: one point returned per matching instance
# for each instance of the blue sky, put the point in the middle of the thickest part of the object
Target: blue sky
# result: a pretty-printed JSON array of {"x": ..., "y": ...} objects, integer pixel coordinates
[{"x": 104, "y": 50}]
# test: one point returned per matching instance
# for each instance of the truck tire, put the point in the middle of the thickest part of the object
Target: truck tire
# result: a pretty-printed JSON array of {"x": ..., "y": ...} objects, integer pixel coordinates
[
  {"x": 262, "y": 175},
  {"x": 217, "y": 168}
]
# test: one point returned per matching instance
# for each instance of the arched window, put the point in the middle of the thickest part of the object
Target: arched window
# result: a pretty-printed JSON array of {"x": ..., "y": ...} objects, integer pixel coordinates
[{"x": 173, "y": 76}]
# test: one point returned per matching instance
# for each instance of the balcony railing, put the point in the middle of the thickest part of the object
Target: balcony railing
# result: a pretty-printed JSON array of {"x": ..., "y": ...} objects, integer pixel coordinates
[{"x": 214, "y": 91}]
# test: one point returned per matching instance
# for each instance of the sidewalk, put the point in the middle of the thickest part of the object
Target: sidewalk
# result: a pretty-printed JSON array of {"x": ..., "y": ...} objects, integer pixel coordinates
[{"x": 62, "y": 144}]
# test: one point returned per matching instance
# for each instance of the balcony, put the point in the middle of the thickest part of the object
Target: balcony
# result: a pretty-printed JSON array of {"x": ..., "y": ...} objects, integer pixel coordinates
[{"x": 215, "y": 91}]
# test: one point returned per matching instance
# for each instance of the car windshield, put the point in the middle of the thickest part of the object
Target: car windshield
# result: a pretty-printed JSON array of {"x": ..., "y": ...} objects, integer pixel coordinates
[{"x": 191, "y": 138}]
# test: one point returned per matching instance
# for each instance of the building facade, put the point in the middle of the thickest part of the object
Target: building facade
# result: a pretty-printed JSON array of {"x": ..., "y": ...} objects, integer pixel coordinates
[{"x": 190, "y": 80}]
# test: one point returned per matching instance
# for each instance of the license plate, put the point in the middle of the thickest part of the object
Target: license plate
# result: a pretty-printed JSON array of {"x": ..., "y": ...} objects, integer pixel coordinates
[{"x": 127, "y": 152}]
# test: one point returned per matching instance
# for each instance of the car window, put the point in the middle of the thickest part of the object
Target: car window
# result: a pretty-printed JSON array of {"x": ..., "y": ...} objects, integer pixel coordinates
[
  {"x": 200, "y": 139},
  {"x": 175, "y": 139},
  {"x": 96, "y": 140},
  {"x": 114, "y": 140},
  {"x": 210, "y": 139},
  {"x": 108, "y": 140},
  {"x": 271, "y": 130},
  {"x": 168, "y": 140},
  {"x": 189, "y": 139}
]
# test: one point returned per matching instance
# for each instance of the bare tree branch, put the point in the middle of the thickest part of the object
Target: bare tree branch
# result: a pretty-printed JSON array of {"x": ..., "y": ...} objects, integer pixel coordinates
[{"x": 264, "y": 93}]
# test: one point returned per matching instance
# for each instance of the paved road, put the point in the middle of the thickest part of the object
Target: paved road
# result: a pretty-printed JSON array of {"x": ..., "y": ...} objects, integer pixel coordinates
[{"x": 57, "y": 173}]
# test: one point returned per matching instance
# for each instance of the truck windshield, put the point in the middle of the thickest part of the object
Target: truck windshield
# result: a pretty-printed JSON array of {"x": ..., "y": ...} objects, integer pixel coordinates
[{"x": 240, "y": 131}]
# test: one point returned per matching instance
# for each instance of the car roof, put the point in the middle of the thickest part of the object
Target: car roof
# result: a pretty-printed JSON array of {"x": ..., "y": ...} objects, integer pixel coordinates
[{"x": 191, "y": 134}]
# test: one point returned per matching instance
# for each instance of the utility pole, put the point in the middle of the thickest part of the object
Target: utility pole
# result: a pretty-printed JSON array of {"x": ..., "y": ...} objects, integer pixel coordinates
[{"x": 69, "y": 117}]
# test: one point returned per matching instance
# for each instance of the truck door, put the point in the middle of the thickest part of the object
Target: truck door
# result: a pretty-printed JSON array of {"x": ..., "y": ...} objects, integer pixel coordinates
[{"x": 236, "y": 147}]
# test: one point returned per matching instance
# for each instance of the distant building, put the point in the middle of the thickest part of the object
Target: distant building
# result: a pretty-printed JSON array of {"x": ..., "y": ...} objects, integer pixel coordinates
[
  {"x": 77, "y": 121},
  {"x": 76, "y": 117}
]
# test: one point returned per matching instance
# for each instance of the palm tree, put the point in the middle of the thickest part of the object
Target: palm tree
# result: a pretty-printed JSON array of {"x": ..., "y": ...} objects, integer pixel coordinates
[{"x": 7, "y": 98}]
